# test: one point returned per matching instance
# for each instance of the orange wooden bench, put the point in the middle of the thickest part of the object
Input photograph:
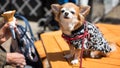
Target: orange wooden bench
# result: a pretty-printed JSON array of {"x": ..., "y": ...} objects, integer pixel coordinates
[
  {"x": 39, "y": 47},
  {"x": 56, "y": 47}
]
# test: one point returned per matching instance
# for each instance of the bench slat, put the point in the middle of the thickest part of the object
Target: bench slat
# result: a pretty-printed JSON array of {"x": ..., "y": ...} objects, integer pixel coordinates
[
  {"x": 54, "y": 53},
  {"x": 40, "y": 49},
  {"x": 62, "y": 43}
]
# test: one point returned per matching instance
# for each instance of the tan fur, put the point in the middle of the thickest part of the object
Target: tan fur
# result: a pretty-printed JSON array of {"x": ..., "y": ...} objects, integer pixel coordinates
[{"x": 81, "y": 11}]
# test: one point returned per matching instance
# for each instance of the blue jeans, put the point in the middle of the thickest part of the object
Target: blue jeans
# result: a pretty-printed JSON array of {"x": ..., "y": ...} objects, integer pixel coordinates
[{"x": 65, "y": 1}]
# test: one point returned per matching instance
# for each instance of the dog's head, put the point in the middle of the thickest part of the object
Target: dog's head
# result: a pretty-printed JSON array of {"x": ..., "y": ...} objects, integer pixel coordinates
[{"x": 69, "y": 15}]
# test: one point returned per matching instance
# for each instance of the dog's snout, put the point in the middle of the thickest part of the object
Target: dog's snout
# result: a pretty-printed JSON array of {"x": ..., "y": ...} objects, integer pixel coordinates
[{"x": 66, "y": 13}]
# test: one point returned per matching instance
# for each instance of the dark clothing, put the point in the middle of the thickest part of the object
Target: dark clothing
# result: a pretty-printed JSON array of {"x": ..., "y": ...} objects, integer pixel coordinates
[
  {"x": 66, "y": 1},
  {"x": 2, "y": 57}
]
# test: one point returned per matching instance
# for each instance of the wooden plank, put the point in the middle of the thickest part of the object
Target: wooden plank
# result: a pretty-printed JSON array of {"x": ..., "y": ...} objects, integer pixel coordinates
[
  {"x": 40, "y": 49},
  {"x": 53, "y": 33},
  {"x": 91, "y": 63},
  {"x": 54, "y": 53},
  {"x": 111, "y": 61},
  {"x": 118, "y": 43},
  {"x": 62, "y": 43}
]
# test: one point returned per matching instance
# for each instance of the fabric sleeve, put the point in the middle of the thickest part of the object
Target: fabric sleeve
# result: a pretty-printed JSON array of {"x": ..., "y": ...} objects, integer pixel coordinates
[
  {"x": 2, "y": 59},
  {"x": 2, "y": 50}
]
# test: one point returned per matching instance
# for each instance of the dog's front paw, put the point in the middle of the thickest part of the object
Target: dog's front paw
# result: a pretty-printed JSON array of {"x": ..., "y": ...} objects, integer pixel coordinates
[
  {"x": 68, "y": 56},
  {"x": 75, "y": 61}
]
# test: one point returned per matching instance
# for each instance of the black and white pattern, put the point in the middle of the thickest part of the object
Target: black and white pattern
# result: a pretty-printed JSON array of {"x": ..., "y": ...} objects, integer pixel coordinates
[{"x": 96, "y": 41}]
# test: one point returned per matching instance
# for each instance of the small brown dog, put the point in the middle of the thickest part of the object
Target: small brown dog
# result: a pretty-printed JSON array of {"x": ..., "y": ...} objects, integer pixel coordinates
[{"x": 72, "y": 22}]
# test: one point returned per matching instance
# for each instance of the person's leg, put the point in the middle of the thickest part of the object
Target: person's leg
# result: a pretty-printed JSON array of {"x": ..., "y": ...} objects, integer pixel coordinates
[
  {"x": 73, "y": 1},
  {"x": 62, "y": 1}
]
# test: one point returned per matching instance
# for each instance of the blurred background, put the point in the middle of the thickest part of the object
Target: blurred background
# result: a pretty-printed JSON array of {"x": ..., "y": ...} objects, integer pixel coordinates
[{"x": 39, "y": 14}]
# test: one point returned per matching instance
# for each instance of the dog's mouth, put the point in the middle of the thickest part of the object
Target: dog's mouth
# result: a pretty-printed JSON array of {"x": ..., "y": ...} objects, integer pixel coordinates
[{"x": 66, "y": 17}]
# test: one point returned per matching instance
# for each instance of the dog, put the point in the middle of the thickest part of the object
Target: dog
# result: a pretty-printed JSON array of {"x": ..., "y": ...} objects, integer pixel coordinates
[{"x": 75, "y": 29}]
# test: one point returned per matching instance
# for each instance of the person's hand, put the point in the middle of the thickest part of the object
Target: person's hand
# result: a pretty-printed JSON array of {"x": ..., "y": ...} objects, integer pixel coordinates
[
  {"x": 4, "y": 33},
  {"x": 17, "y": 59}
]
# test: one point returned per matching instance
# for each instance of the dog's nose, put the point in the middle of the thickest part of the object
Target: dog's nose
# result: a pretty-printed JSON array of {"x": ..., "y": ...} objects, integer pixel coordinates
[{"x": 66, "y": 13}]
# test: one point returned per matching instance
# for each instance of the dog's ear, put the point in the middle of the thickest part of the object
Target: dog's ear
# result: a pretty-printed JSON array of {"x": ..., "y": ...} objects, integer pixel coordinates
[
  {"x": 55, "y": 8},
  {"x": 84, "y": 10}
]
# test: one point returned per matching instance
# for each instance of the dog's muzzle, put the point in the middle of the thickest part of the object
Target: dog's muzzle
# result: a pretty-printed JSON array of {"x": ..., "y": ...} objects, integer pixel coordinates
[{"x": 66, "y": 15}]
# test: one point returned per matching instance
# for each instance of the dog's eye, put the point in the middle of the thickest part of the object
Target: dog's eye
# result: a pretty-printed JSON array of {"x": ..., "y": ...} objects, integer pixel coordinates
[
  {"x": 62, "y": 11},
  {"x": 72, "y": 12}
]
